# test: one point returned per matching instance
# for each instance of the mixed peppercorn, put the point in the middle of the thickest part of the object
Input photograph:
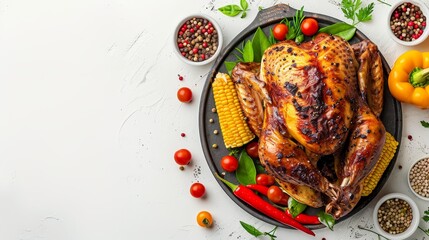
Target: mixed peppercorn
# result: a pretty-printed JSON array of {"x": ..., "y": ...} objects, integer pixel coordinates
[
  {"x": 408, "y": 22},
  {"x": 419, "y": 177},
  {"x": 395, "y": 216},
  {"x": 197, "y": 39}
]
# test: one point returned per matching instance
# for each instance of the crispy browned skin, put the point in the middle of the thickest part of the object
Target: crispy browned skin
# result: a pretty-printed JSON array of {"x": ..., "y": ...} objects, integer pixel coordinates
[
  {"x": 315, "y": 89},
  {"x": 288, "y": 163},
  {"x": 370, "y": 74},
  {"x": 315, "y": 113},
  {"x": 251, "y": 93},
  {"x": 310, "y": 85}
]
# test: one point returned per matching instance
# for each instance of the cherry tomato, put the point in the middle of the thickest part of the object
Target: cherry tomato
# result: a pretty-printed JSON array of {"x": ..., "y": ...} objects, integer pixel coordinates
[
  {"x": 229, "y": 163},
  {"x": 309, "y": 26},
  {"x": 279, "y": 31},
  {"x": 197, "y": 190},
  {"x": 277, "y": 196},
  {"x": 182, "y": 156},
  {"x": 252, "y": 149},
  {"x": 204, "y": 219},
  {"x": 184, "y": 94},
  {"x": 265, "y": 179}
]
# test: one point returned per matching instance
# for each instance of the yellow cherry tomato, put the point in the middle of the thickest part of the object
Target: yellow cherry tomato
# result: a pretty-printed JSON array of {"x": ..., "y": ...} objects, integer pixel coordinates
[{"x": 204, "y": 219}]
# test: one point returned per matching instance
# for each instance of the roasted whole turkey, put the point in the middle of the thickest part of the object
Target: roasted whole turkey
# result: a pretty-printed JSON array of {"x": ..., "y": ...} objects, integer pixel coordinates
[{"x": 315, "y": 109}]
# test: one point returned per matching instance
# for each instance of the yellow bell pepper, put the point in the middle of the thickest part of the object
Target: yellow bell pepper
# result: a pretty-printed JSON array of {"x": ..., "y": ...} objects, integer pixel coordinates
[{"x": 409, "y": 78}]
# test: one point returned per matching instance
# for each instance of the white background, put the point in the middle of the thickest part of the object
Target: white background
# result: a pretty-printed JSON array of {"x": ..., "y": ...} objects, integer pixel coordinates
[{"x": 90, "y": 122}]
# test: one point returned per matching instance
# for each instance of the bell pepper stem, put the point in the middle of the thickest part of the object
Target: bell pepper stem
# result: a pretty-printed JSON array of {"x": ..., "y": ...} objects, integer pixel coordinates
[
  {"x": 232, "y": 186},
  {"x": 419, "y": 77}
]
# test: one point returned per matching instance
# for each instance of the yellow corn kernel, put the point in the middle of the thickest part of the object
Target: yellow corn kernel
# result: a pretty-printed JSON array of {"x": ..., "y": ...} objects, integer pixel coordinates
[
  {"x": 387, "y": 153},
  {"x": 234, "y": 128}
]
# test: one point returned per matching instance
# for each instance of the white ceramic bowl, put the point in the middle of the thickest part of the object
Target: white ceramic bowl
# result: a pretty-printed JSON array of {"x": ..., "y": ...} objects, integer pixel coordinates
[
  {"x": 425, "y": 12},
  {"x": 409, "y": 182},
  {"x": 219, "y": 34},
  {"x": 414, "y": 223}
]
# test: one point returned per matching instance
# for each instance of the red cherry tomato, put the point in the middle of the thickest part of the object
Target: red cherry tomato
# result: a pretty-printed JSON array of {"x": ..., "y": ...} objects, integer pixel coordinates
[
  {"x": 229, "y": 163},
  {"x": 265, "y": 179},
  {"x": 279, "y": 31},
  {"x": 277, "y": 196},
  {"x": 182, "y": 156},
  {"x": 252, "y": 149},
  {"x": 197, "y": 190},
  {"x": 309, "y": 26},
  {"x": 184, "y": 94}
]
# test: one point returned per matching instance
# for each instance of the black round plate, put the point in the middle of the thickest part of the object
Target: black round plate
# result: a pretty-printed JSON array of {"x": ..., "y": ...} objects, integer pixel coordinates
[{"x": 266, "y": 18}]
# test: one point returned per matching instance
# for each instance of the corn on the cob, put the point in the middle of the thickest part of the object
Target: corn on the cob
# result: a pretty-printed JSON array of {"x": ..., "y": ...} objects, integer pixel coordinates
[
  {"x": 386, "y": 156},
  {"x": 234, "y": 128}
]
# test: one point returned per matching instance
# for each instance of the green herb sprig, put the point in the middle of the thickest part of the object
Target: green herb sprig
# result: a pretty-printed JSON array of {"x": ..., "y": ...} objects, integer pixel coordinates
[
  {"x": 295, "y": 26},
  {"x": 369, "y": 230},
  {"x": 426, "y": 219},
  {"x": 354, "y": 11},
  {"x": 256, "y": 233},
  {"x": 233, "y": 10},
  {"x": 424, "y": 124}
]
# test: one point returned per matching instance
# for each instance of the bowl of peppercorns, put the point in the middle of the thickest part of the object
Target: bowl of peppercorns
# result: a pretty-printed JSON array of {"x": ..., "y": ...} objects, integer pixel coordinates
[
  {"x": 396, "y": 216},
  {"x": 197, "y": 39},
  {"x": 407, "y": 22},
  {"x": 418, "y": 178}
]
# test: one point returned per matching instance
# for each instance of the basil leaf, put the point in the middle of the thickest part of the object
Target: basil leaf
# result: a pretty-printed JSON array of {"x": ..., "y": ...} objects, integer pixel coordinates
[
  {"x": 326, "y": 219},
  {"x": 248, "y": 52},
  {"x": 426, "y": 218},
  {"x": 341, "y": 29},
  {"x": 347, "y": 34},
  {"x": 295, "y": 207},
  {"x": 230, "y": 10},
  {"x": 243, "y": 15},
  {"x": 244, "y": 5},
  {"x": 229, "y": 66},
  {"x": 251, "y": 229},
  {"x": 336, "y": 28},
  {"x": 426, "y": 125},
  {"x": 260, "y": 44},
  {"x": 246, "y": 171}
]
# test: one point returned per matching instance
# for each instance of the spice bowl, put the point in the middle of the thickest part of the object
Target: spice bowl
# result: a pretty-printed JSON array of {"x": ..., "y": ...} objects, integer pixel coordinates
[
  {"x": 413, "y": 22},
  {"x": 396, "y": 216},
  {"x": 418, "y": 178},
  {"x": 197, "y": 39}
]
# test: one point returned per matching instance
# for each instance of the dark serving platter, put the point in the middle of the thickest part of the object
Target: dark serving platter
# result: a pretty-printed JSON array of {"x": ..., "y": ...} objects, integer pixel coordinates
[{"x": 266, "y": 18}]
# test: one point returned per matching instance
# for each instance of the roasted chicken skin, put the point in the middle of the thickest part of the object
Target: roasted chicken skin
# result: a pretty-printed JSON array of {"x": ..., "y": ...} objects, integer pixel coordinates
[{"x": 316, "y": 107}]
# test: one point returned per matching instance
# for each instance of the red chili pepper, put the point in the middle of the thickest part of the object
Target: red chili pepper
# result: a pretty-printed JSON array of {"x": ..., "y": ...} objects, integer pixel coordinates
[
  {"x": 264, "y": 207},
  {"x": 301, "y": 218},
  {"x": 259, "y": 188},
  {"x": 304, "y": 218}
]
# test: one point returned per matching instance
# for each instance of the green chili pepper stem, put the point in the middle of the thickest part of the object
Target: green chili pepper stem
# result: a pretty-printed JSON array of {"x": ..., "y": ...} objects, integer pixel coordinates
[
  {"x": 232, "y": 186},
  {"x": 419, "y": 77}
]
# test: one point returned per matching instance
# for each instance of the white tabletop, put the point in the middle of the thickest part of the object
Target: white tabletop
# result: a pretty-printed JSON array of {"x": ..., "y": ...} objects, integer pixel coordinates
[{"x": 90, "y": 122}]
